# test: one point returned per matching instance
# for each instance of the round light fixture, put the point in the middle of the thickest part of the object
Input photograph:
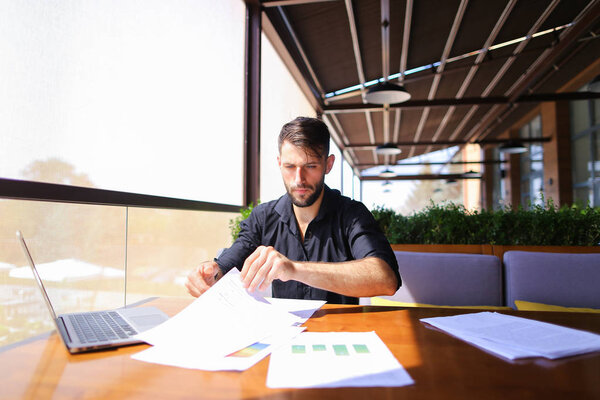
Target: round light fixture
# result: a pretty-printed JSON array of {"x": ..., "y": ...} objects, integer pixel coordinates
[
  {"x": 512, "y": 147},
  {"x": 387, "y": 173},
  {"x": 471, "y": 174},
  {"x": 388, "y": 149},
  {"x": 386, "y": 93}
]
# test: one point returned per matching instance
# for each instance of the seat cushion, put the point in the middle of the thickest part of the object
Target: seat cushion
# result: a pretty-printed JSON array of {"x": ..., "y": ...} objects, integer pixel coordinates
[{"x": 562, "y": 279}]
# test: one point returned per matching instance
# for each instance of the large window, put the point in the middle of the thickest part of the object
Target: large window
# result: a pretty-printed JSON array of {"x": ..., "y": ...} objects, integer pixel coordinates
[
  {"x": 143, "y": 97},
  {"x": 585, "y": 138},
  {"x": 532, "y": 165}
]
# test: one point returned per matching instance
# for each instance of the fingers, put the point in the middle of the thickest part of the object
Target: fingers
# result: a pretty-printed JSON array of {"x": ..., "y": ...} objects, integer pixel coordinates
[
  {"x": 263, "y": 266},
  {"x": 251, "y": 270},
  {"x": 249, "y": 261},
  {"x": 190, "y": 283},
  {"x": 201, "y": 278},
  {"x": 209, "y": 272}
]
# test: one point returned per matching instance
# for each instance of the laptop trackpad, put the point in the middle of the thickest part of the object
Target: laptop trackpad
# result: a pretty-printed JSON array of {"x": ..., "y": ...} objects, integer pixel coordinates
[
  {"x": 144, "y": 318},
  {"x": 144, "y": 322}
]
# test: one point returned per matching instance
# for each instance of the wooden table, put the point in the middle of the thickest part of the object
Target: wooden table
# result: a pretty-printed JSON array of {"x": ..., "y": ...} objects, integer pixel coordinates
[{"x": 442, "y": 366}]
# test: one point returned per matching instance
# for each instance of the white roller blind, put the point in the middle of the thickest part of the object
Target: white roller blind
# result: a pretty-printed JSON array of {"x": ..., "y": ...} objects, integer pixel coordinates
[{"x": 139, "y": 96}]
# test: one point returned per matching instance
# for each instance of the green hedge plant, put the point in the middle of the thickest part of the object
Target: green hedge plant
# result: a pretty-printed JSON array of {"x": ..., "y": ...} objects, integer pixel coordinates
[{"x": 450, "y": 223}]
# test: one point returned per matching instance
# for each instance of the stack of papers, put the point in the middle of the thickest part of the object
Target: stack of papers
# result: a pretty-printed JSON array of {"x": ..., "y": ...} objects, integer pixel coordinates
[
  {"x": 515, "y": 337},
  {"x": 225, "y": 329},
  {"x": 335, "y": 359}
]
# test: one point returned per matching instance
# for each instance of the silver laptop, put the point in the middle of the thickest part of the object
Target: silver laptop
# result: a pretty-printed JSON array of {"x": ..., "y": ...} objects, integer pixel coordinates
[{"x": 96, "y": 330}]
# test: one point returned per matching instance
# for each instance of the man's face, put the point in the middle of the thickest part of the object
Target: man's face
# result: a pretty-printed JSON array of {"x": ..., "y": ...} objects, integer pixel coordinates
[{"x": 303, "y": 173}]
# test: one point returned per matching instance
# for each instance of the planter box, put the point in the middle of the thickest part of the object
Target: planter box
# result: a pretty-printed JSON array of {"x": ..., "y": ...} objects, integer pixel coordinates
[
  {"x": 496, "y": 250},
  {"x": 445, "y": 248}
]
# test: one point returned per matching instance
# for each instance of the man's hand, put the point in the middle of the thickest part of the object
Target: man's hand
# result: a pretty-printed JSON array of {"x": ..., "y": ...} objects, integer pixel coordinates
[
  {"x": 201, "y": 278},
  {"x": 265, "y": 265}
]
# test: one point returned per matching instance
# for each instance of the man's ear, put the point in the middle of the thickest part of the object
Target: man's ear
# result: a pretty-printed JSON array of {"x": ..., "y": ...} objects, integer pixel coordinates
[
  {"x": 279, "y": 161},
  {"x": 330, "y": 161}
]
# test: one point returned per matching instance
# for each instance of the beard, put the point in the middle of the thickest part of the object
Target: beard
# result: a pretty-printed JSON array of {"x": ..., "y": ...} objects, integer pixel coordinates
[{"x": 310, "y": 199}]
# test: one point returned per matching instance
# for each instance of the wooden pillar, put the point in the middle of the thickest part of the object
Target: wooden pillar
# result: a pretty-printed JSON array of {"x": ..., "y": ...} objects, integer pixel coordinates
[
  {"x": 251, "y": 188},
  {"x": 513, "y": 175},
  {"x": 558, "y": 181}
]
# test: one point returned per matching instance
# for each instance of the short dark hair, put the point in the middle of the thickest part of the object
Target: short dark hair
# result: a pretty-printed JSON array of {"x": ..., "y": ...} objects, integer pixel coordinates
[{"x": 310, "y": 134}]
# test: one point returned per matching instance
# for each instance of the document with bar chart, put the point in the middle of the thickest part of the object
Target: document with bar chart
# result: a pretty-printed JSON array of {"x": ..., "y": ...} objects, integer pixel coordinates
[{"x": 335, "y": 359}]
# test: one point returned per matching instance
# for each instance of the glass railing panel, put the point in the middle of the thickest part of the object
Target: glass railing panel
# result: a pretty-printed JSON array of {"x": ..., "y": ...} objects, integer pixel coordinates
[
  {"x": 79, "y": 251},
  {"x": 164, "y": 245}
]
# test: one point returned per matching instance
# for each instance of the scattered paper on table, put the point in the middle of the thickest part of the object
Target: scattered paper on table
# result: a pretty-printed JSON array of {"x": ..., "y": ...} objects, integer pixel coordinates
[
  {"x": 335, "y": 359},
  {"x": 516, "y": 337},
  {"x": 225, "y": 320}
]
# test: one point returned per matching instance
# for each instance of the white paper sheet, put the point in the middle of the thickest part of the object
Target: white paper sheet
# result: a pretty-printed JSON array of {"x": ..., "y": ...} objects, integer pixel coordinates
[
  {"x": 515, "y": 337},
  {"x": 192, "y": 339},
  {"x": 221, "y": 321},
  {"x": 303, "y": 309},
  {"x": 335, "y": 359}
]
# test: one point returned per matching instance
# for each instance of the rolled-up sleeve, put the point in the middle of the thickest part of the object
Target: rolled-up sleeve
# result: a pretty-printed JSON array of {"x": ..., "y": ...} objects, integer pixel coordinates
[{"x": 367, "y": 240}]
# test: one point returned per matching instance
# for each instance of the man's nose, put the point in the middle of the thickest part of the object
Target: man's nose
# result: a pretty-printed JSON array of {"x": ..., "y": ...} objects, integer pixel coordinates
[{"x": 299, "y": 176}]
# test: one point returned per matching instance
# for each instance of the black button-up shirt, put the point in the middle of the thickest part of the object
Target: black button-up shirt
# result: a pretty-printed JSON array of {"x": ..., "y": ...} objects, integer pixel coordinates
[{"x": 343, "y": 230}]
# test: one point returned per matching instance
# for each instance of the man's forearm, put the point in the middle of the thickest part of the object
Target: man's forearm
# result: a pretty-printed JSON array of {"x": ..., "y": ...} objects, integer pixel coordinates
[{"x": 360, "y": 278}]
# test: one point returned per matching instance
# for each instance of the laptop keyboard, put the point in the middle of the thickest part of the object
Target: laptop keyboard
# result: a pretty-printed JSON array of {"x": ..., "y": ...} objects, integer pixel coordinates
[{"x": 101, "y": 326}]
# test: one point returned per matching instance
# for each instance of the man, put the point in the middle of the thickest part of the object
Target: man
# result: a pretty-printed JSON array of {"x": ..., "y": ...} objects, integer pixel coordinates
[{"x": 312, "y": 243}]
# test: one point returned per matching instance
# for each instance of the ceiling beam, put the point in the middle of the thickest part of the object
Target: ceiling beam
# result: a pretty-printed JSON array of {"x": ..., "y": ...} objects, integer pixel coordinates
[
  {"x": 417, "y": 177},
  {"x": 418, "y": 164},
  {"x": 465, "y": 101},
  {"x": 368, "y": 146},
  {"x": 279, "y": 3}
]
